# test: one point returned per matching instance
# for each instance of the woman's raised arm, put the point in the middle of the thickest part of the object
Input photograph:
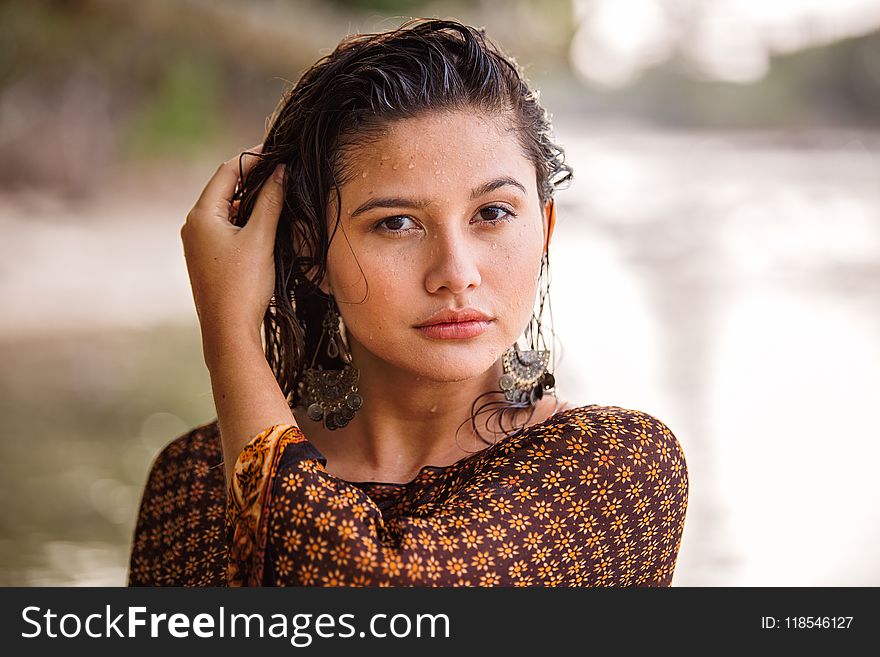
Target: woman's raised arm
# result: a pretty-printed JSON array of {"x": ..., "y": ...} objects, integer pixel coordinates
[{"x": 232, "y": 273}]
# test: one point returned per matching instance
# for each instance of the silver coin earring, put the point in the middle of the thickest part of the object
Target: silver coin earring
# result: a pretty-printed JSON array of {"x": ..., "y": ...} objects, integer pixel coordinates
[
  {"x": 525, "y": 371},
  {"x": 332, "y": 395}
]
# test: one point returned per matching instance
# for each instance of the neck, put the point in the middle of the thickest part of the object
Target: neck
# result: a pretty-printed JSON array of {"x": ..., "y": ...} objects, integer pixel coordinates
[{"x": 408, "y": 421}]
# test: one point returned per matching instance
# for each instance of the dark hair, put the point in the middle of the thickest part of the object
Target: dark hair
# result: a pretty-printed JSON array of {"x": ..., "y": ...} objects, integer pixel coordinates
[{"x": 343, "y": 100}]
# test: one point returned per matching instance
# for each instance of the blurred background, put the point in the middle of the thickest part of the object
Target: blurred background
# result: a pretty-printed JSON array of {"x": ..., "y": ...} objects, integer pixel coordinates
[{"x": 716, "y": 261}]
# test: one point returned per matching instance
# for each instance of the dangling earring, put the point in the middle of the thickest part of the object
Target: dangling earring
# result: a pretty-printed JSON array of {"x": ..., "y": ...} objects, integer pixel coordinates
[
  {"x": 332, "y": 395},
  {"x": 526, "y": 376}
]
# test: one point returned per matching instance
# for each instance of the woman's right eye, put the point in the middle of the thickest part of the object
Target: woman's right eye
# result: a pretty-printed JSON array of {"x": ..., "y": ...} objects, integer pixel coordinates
[{"x": 392, "y": 225}]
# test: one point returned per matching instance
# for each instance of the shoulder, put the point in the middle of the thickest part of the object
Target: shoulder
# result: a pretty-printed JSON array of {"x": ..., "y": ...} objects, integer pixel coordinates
[
  {"x": 199, "y": 445},
  {"x": 179, "y": 537},
  {"x": 614, "y": 437},
  {"x": 617, "y": 420},
  {"x": 620, "y": 473},
  {"x": 187, "y": 469}
]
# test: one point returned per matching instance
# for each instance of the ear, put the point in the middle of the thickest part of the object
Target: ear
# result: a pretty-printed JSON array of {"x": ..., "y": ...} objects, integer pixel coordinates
[{"x": 550, "y": 218}]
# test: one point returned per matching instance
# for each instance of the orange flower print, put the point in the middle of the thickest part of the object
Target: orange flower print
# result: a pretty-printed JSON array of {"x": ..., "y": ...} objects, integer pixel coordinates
[
  {"x": 564, "y": 495},
  {"x": 603, "y": 458},
  {"x": 501, "y": 505},
  {"x": 301, "y": 513},
  {"x": 392, "y": 566},
  {"x": 507, "y": 551},
  {"x": 340, "y": 553},
  {"x": 525, "y": 493},
  {"x": 496, "y": 532},
  {"x": 471, "y": 538},
  {"x": 449, "y": 543},
  {"x": 347, "y": 530},
  {"x": 333, "y": 578},
  {"x": 541, "y": 508},
  {"x": 483, "y": 561},
  {"x": 309, "y": 574},
  {"x": 556, "y": 525},
  {"x": 611, "y": 507},
  {"x": 601, "y": 492},
  {"x": 595, "y": 496},
  {"x": 433, "y": 568},
  {"x": 365, "y": 561},
  {"x": 517, "y": 569},
  {"x": 490, "y": 579},
  {"x": 533, "y": 540},
  {"x": 291, "y": 539},
  {"x": 316, "y": 548},
  {"x": 552, "y": 480},
  {"x": 292, "y": 481},
  {"x": 415, "y": 567},
  {"x": 588, "y": 476},
  {"x": 519, "y": 521},
  {"x": 624, "y": 473},
  {"x": 325, "y": 521},
  {"x": 456, "y": 566},
  {"x": 527, "y": 467},
  {"x": 284, "y": 565}
]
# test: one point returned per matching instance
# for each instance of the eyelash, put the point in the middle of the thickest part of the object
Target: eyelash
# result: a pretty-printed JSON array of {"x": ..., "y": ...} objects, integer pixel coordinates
[{"x": 509, "y": 215}]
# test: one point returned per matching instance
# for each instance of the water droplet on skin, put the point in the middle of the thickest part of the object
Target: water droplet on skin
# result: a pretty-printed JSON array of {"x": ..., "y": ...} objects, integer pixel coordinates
[
  {"x": 386, "y": 157},
  {"x": 437, "y": 171},
  {"x": 364, "y": 174},
  {"x": 494, "y": 245},
  {"x": 396, "y": 167},
  {"x": 434, "y": 408},
  {"x": 412, "y": 165}
]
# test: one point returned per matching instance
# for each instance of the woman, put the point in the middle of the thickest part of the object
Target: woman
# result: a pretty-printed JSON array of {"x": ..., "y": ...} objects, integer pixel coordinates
[{"x": 387, "y": 427}]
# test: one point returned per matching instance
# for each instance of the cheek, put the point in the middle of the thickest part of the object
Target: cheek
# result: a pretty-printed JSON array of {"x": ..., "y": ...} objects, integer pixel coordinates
[
  {"x": 515, "y": 265},
  {"x": 389, "y": 281},
  {"x": 353, "y": 270}
]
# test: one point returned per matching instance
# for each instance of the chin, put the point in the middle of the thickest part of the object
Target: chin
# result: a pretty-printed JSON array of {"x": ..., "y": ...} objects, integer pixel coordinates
[
  {"x": 442, "y": 361},
  {"x": 446, "y": 363}
]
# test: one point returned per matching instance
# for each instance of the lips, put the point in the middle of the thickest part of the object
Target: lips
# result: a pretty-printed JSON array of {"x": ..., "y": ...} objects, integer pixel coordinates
[
  {"x": 455, "y": 324},
  {"x": 452, "y": 315}
]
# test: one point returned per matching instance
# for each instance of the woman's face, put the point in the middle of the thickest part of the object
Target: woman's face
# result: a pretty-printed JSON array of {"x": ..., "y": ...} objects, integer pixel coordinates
[{"x": 441, "y": 212}]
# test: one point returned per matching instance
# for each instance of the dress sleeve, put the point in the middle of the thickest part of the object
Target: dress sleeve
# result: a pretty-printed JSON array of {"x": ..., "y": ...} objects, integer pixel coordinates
[
  {"x": 655, "y": 498},
  {"x": 247, "y": 499},
  {"x": 279, "y": 467}
]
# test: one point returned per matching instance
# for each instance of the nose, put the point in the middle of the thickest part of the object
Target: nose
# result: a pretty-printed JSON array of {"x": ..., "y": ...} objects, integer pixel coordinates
[{"x": 453, "y": 263}]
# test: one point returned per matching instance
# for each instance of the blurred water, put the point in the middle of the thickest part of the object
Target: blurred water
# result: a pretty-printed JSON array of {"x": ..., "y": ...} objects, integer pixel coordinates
[
  {"x": 728, "y": 283},
  {"x": 731, "y": 286}
]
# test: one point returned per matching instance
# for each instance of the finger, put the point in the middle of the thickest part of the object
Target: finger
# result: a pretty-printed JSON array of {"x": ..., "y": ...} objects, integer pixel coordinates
[
  {"x": 220, "y": 188},
  {"x": 267, "y": 209}
]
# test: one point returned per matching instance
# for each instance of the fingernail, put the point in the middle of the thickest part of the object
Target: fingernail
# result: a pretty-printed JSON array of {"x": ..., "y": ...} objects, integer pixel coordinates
[{"x": 278, "y": 176}]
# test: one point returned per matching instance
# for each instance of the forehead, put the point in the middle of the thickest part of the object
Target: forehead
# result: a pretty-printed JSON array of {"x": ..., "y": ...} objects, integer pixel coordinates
[{"x": 437, "y": 150}]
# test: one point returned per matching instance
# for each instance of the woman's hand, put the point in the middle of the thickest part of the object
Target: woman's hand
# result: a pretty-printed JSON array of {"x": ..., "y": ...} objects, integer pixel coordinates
[
  {"x": 232, "y": 272},
  {"x": 232, "y": 268}
]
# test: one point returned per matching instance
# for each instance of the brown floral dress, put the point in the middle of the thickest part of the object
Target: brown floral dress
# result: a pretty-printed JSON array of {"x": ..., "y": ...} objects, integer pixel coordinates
[{"x": 592, "y": 496}]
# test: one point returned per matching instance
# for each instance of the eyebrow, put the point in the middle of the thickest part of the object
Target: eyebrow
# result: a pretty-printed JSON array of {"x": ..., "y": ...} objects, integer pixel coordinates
[{"x": 419, "y": 204}]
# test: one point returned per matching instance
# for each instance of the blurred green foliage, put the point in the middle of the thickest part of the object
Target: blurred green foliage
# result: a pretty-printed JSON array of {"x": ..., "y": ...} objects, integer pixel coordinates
[
  {"x": 180, "y": 115},
  {"x": 169, "y": 78}
]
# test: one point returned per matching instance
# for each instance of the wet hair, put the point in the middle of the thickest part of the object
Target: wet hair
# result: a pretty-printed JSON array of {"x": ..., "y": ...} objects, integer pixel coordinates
[{"x": 344, "y": 101}]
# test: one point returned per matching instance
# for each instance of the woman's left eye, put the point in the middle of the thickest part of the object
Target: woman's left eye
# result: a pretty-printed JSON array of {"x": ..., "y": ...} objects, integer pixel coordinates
[{"x": 495, "y": 213}]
